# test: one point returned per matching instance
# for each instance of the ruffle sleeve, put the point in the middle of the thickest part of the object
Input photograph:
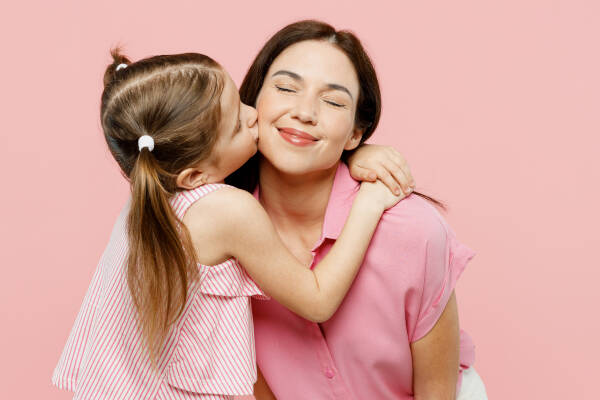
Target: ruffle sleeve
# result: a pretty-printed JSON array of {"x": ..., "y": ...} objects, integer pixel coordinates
[
  {"x": 446, "y": 259},
  {"x": 230, "y": 280}
]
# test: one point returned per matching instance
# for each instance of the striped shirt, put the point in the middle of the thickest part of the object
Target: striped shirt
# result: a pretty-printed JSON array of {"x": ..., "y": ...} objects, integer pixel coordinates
[{"x": 209, "y": 351}]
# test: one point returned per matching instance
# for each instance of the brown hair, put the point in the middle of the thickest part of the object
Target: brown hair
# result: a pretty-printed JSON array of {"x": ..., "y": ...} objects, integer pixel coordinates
[
  {"x": 368, "y": 107},
  {"x": 175, "y": 99}
]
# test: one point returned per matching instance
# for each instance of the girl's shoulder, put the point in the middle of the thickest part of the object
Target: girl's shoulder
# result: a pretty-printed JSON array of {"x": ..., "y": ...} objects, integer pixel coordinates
[
  {"x": 183, "y": 200},
  {"x": 218, "y": 214},
  {"x": 219, "y": 201}
]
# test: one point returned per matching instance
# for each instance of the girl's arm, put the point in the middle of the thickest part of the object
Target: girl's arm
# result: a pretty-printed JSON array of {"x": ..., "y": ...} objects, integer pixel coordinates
[
  {"x": 370, "y": 162},
  {"x": 314, "y": 294},
  {"x": 435, "y": 358}
]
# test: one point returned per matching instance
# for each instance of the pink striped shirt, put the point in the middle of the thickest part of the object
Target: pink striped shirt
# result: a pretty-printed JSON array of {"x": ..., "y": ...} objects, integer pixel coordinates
[{"x": 208, "y": 354}]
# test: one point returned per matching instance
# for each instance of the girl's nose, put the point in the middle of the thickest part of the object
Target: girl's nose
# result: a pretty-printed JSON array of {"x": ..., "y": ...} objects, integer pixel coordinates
[
  {"x": 253, "y": 121},
  {"x": 252, "y": 116}
]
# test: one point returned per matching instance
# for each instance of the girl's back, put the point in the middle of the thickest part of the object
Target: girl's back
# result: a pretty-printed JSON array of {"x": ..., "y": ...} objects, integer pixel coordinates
[{"x": 209, "y": 349}]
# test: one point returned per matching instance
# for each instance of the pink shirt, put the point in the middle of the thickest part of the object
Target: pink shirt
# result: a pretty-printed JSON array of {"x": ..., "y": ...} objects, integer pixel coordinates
[
  {"x": 209, "y": 353},
  {"x": 363, "y": 351}
]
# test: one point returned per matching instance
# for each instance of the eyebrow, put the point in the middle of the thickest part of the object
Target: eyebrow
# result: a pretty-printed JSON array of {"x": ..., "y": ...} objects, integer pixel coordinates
[{"x": 296, "y": 77}]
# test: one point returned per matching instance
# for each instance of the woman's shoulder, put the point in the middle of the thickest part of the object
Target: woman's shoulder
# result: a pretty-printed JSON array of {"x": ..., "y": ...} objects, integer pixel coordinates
[{"x": 417, "y": 217}]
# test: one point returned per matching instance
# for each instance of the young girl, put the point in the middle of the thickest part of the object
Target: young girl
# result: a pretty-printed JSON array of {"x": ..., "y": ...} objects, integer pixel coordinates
[{"x": 167, "y": 314}]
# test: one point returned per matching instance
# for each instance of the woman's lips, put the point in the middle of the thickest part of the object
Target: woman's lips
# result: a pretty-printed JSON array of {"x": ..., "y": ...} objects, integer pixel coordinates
[{"x": 296, "y": 137}]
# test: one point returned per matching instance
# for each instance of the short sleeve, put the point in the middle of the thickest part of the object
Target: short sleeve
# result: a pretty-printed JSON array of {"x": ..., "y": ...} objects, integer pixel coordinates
[
  {"x": 229, "y": 279},
  {"x": 445, "y": 260}
]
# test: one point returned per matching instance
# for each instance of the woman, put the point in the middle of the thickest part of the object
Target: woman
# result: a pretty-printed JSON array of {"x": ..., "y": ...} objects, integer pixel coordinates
[{"x": 396, "y": 335}]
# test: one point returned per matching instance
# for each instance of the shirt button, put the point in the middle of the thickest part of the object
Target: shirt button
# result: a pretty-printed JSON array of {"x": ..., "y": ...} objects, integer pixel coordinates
[{"x": 329, "y": 373}]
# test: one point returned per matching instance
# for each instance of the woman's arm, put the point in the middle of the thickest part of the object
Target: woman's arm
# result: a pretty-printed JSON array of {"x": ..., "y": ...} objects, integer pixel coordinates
[
  {"x": 262, "y": 391},
  {"x": 314, "y": 294},
  {"x": 435, "y": 358}
]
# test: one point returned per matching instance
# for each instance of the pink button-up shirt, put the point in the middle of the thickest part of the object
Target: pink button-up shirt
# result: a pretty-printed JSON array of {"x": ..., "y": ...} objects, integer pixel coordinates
[{"x": 363, "y": 351}]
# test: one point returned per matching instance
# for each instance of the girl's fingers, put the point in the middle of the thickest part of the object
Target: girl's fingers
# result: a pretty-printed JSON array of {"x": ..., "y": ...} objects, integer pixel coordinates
[
  {"x": 393, "y": 171},
  {"x": 389, "y": 181},
  {"x": 403, "y": 165},
  {"x": 400, "y": 176},
  {"x": 363, "y": 174}
]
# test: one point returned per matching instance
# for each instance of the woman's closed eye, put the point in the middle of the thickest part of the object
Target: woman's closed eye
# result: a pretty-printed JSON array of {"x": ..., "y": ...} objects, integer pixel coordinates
[
  {"x": 333, "y": 103},
  {"x": 290, "y": 90},
  {"x": 284, "y": 89}
]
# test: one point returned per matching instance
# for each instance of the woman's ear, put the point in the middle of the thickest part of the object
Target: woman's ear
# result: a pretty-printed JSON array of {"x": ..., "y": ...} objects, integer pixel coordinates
[
  {"x": 354, "y": 140},
  {"x": 191, "y": 178}
]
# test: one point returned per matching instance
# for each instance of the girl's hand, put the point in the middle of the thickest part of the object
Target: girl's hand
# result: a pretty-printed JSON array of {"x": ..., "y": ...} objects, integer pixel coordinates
[
  {"x": 371, "y": 162},
  {"x": 378, "y": 196}
]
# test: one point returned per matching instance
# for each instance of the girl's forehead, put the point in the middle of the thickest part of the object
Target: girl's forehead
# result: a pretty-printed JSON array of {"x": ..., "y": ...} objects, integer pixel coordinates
[
  {"x": 230, "y": 103},
  {"x": 230, "y": 90}
]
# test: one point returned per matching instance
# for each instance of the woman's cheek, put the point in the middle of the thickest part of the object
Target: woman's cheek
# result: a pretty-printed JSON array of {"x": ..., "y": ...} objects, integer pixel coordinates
[
  {"x": 266, "y": 101},
  {"x": 263, "y": 109},
  {"x": 340, "y": 127}
]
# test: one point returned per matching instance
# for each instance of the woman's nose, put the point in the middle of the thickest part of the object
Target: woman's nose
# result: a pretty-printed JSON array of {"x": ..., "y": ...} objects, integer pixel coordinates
[{"x": 305, "y": 110}]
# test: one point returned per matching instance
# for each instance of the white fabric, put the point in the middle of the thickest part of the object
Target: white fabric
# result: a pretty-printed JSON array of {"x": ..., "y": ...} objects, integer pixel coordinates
[
  {"x": 121, "y": 66},
  {"x": 472, "y": 387}
]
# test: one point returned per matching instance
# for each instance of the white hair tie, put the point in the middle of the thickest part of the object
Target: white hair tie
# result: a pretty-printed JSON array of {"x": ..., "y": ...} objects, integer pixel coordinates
[
  {"x": 121, "y": 66},
  {"x": 146, "y": 141}
]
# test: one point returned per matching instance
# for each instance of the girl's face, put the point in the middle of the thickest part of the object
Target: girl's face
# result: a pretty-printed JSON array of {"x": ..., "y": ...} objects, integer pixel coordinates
[
  {"x": 238, "y": 134},
  {"x": 306, "y": 108}
]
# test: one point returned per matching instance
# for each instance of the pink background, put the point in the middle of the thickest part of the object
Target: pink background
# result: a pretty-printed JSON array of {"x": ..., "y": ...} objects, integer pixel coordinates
[{"x": 495, "y": 104}]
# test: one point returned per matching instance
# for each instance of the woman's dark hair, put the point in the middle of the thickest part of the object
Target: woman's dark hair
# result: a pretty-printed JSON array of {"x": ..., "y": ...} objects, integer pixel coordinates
[{"x": 368, "y": 107}]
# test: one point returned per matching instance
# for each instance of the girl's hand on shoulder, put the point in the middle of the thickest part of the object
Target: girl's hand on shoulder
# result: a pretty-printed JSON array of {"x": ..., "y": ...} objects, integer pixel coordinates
[
  {"x": 378, "y": 195},
  {"x": 371, "y": 162}
]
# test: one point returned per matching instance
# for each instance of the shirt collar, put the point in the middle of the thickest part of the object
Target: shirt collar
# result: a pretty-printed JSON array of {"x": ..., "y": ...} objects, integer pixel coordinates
[{"x": 340, "y": 202}]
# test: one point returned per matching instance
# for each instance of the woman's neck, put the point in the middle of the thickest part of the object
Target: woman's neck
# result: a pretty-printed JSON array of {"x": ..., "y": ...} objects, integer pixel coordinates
[{"x": 295, "y": 202}]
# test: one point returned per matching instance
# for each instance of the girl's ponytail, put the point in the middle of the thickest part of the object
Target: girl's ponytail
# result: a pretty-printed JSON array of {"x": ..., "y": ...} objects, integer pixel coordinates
[
  {"x": 176, "y": 101},
  {"x": 161, "y": 258}
]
